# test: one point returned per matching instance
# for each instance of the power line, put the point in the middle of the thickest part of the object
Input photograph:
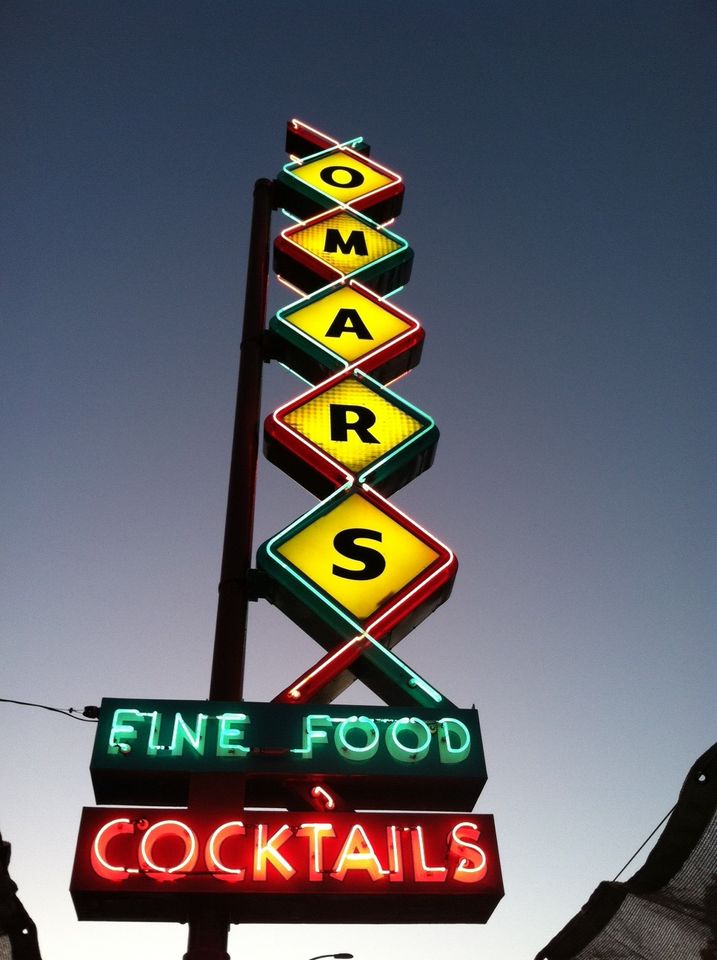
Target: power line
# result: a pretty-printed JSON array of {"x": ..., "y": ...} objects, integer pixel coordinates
[{"x": 86, "y": 715}]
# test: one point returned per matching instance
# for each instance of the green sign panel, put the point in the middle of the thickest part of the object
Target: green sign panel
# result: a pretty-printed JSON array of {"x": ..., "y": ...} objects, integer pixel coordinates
[{"x": 146, "y": 751}]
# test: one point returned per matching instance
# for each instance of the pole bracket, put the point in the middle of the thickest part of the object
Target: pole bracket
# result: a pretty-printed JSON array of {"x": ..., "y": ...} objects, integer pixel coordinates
[{"x": 258, "y": 585}]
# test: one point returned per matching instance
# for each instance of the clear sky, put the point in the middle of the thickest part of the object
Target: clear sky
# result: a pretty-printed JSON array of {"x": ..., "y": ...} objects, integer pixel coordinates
[{"x": 559, "y": 162}]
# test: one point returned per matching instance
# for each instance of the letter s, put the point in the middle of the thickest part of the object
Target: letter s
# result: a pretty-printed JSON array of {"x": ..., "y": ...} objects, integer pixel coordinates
[{"x": 345, "y": 543}]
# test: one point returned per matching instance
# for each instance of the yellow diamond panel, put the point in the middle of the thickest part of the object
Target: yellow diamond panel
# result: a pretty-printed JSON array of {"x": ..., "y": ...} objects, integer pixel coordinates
[
  {"x": 358, "y": 555},
  {"x": 348, "y": 323},
  {"x": 341, "y": 176},
  {"x": 344, "y": 242},
  {"x": 353, "y": 424}
]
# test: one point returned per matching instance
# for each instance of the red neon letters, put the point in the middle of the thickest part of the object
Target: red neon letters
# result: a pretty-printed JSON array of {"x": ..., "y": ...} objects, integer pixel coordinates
[{"x": 275, "y": 850}]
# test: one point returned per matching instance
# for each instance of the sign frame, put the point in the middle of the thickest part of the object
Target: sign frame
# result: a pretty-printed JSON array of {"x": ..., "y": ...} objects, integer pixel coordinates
[
  {"x": 308, "y": 272},
  {"x": 321, "y": 616},
  {"x": 313, "y": 361},
  {"x": 303, "y": 200},
  {"x": 147, "y": 751},
  {"x": 405, "y": 861},
  {"x": 320, "y": 473}
]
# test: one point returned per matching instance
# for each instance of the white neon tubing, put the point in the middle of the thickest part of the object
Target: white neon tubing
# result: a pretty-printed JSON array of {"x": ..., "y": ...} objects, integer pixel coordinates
[
  {"x": 215, "y": 842},
  {"x": 153, "y": 867},
  {"x": 100, "y": 836}
]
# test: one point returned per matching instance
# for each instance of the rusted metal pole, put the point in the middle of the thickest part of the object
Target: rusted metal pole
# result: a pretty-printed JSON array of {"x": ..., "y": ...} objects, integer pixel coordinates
[
  {"x": 208, "y": 930},
  {"x": 227, "y": 681}
]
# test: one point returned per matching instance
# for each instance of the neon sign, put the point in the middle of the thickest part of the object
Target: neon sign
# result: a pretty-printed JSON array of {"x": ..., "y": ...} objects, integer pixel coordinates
[
  {"x": 349, "y": 439},
  {"x": 147, "y": 750},
  {"x": 357, "y": 571},
  {"x": 338, "y": 245},
  {"x": 357, "y": 574},
  {"x": 348, "y": 429},
  {"x": 347, "y": 866},
  {"x": 336, "y": 177},
  {"x": 342, "y": 326}
]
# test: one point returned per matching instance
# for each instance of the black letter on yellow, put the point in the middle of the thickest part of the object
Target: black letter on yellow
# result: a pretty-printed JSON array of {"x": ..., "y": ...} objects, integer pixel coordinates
[
  {"x": 348, "y": 320},
  {"x": 356, "y": 242},
  {"x": 355, "y": 177},
  {"x": 340, "y": 426},
  {"x": 373, "y": 561}
]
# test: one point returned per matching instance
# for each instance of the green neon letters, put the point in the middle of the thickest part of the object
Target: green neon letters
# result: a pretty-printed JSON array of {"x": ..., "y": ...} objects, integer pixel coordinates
[
  {"x": 356, "y": 738},
  {"x": 127, "y": 723},
  {"x": 147, "y": 751},
  {"x": 406, "y": 739}
]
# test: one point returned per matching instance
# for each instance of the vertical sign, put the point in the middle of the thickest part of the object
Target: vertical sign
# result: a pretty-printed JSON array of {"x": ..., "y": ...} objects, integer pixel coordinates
[{"x": 358, "y": 575}]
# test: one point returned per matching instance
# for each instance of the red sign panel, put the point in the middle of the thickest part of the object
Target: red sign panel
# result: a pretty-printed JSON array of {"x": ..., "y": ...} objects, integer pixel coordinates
[{"x": 274, "y": 866}]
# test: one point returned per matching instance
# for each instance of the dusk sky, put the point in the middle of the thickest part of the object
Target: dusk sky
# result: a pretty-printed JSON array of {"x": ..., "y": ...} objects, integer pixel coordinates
[{"x": 559, "y": 162}]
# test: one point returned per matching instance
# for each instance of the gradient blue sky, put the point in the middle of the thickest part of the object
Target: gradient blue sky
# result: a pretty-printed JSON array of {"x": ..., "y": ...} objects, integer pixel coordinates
[{"x": 559, "y": 161}]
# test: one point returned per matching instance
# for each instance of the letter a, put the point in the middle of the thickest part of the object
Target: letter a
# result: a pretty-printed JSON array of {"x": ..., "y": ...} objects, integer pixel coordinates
[{"x": 348, "y": 320}]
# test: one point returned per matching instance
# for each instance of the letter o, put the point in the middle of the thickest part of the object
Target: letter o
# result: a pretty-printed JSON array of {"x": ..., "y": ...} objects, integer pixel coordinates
[
  {"x": 350, "y": 750},
  {"x": 157, "y": 832},
  {"x": 328, "y": 175},
  {"x": 411, "y": 753}
]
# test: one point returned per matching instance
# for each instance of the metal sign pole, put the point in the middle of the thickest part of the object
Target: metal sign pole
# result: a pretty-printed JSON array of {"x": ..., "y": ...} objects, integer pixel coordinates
[
  {"x": 227, "y": 681},
  {"x": 209, "y": 932}
]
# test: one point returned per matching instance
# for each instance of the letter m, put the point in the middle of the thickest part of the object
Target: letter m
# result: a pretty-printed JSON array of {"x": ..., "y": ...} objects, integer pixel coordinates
[{"x": 356, "y": 242}]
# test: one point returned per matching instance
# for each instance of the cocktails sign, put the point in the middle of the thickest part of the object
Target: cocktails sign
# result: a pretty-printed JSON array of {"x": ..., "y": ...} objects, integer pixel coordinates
[{"x": 279, "y": 867}]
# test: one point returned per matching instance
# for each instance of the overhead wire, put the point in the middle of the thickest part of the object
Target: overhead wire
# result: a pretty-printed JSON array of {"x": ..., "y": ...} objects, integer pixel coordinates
[{"x": 87, "y": 714}]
